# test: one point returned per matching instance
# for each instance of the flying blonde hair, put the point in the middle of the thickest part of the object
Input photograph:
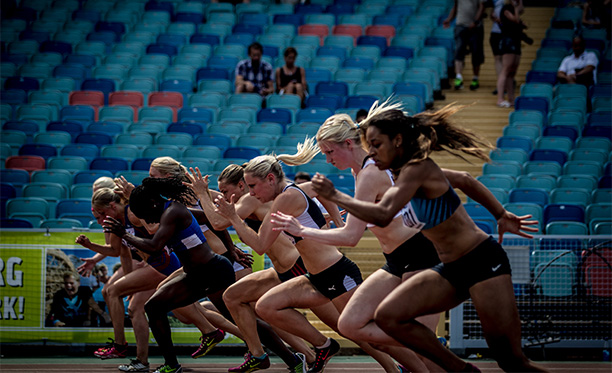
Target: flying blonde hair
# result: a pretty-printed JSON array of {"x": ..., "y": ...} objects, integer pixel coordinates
[{"x": 264, "y": 164}]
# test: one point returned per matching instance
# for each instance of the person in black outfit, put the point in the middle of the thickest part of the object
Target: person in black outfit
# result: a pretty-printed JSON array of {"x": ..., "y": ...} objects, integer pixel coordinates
[
  {"x": 291, "y": 78},
  {"x": 510, "y": 49}
]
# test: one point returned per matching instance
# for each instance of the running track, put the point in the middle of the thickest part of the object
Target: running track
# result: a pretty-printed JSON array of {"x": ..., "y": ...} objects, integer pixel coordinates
[{"x": 214, "y": 364}]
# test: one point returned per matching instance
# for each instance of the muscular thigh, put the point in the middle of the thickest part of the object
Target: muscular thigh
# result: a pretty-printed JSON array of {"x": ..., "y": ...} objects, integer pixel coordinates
[
  {"x": 369, "y": 294},
  {"x": 174, "y": 293},
  {"x": 328, "y": 313},
  {"x": 424, "y": 293},
  {"x": 174, "y": 274},
  {"x": 295, "y": 293},
  {"x": 138, "y": 300},
  {"x": 496, "y": 305},
  {"x": 253, "y": 286},
  {"x": 119, "y": 273},
  {"x": 143, "y": 278},
  {"x": 243, "y": 273}
]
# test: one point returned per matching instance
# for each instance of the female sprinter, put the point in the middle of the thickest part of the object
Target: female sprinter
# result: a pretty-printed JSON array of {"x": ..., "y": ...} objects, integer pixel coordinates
[
  {"x": 472, "y": 263},
  {"x": 163, "y": 201},
  {"x": 240, "y": 298},
  {"x": 148, "y": 272},
  {"x": 218, "y": 240},
  {"x": 407, "y": 251},
  {"x": 331, "y": 276}
]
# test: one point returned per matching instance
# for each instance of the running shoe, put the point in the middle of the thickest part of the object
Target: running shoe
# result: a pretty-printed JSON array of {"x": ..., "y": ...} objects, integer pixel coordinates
[
  {"x": 135, "y": 365},
  {"x": 168, "y": 369},
  {"x": 302, "y": 366},
  {"x": 458, "y": 83},
  {"x": 323, "y": 355},
  {"x": 115, "y": 352},
  {"x": 251, "y": 364},
  {"x": 208, "y": 342},
  {"x": 108, "y": 346},
  {"x": 474, "y": 85}
]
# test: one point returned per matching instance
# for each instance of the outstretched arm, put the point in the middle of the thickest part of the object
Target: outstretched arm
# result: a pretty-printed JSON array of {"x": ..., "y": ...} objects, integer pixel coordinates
[
  {"x": 258, "y": 241},
  {"x": 348, "y": 235},
  {"x": 172, "y": 216},
  {"x": 332, "y": 208},
  {"x": 506, "y": 221},
  {"x": 380, "y": 214},
  {"x": 199, "y": 184},
  {"x": 238, "y": 255},
  {"x": 88, "y": 265},
  {"x": 106, "y": 250}
]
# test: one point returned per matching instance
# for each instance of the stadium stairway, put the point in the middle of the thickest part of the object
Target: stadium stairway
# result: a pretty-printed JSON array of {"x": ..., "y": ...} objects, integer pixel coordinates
[{"x": 482, "y": 116}]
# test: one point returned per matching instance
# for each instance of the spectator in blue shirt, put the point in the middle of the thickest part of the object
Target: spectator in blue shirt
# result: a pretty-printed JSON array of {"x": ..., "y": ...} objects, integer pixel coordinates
[{"x": 253, "y": 74}]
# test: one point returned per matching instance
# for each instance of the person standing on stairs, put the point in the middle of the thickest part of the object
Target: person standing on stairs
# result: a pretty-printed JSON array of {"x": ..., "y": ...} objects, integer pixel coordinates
[{"x": 469, "y": 38}]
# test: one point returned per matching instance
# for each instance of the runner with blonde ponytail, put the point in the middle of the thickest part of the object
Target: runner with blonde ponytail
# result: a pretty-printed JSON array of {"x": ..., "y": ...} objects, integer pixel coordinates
[{"x": 331, "y": 276}]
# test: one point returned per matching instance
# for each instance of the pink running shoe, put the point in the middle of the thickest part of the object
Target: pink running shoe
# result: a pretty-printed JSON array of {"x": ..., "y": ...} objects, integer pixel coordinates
[{"x": 115, "y": 352}]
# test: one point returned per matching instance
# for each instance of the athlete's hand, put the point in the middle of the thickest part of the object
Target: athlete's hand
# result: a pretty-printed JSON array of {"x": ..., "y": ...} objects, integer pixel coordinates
[
  {"x": 246, "y": 259},
  {"x": 287, "y": 223},
  {"x": 124, "y": 187},
  {"x": 225, "y": 208},
  {"x": 83, "y": 241},
  {"x": 323, "y": 186},
  {"x": 515, "y": 224},
  {"x": 87, "y": 267},
  {"x": 113, "y": 226},
  {"x": 197, "y": 182},
  {"x": 329, "y": 219}
]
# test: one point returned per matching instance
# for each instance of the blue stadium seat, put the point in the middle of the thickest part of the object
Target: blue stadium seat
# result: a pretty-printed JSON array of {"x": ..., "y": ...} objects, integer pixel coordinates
[
  {"x": 530, "y": 195},
  {"x": 563, "y": 212},
  {"x": 111, "y": 164}
]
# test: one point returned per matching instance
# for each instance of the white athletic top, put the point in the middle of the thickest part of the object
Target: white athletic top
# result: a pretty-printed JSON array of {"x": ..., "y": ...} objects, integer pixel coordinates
[{"x": 407, "y": 212}]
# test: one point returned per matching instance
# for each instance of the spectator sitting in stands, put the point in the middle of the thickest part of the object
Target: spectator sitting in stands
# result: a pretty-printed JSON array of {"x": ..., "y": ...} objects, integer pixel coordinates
[
  {"x": 291, "y": 78},
  {"x": 71, "y": 305},
  {"x": 579, "y": 67},
  {"x": 253, "y": 74}
]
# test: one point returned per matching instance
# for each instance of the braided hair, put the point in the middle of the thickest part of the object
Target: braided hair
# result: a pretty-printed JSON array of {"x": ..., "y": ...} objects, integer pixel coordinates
[{"x": 148, "y": 199}]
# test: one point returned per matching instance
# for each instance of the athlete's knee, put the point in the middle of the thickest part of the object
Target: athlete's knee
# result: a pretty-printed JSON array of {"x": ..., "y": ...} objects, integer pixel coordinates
[
  {"x": 154, "y": 308},
  {"x": 348, "y": 327},
  {"x": 231, "y": 297},
  {"x": 105, "y": 291},
  {"x": 208, "y": 305},
  {"x": 264, "y": 309},
  {"x": 386, "y": 317}
]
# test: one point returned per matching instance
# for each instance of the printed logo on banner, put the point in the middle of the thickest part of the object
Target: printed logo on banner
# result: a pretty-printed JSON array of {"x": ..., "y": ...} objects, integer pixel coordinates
[{"x": 20, "y": 287}]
